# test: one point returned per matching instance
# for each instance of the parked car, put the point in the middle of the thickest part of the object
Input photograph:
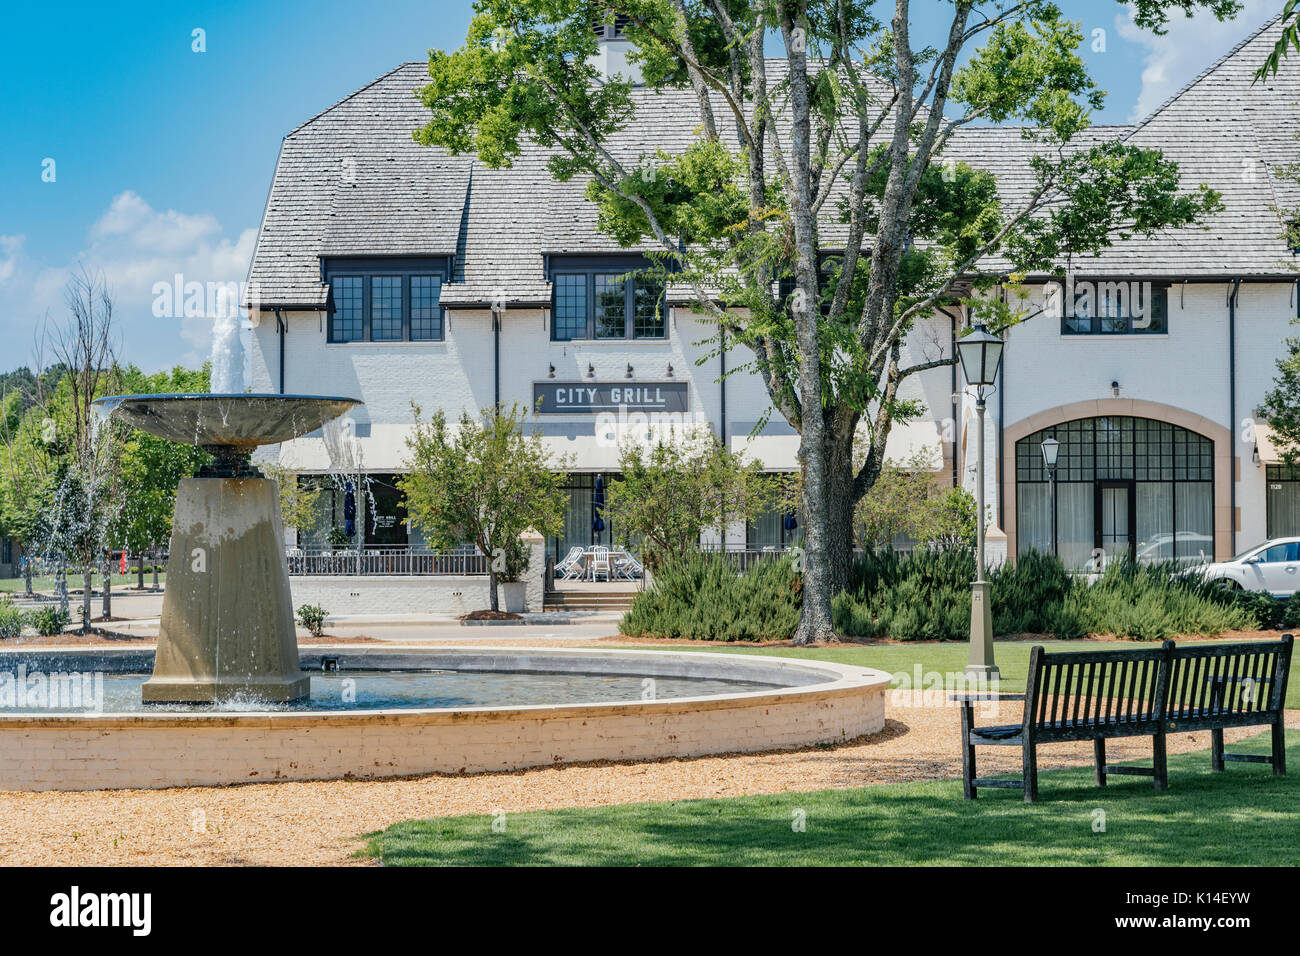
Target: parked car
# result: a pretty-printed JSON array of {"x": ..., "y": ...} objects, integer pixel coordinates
[
  {"x": 1164, "y": 546},
  {"x": 1273, "y": 566}
]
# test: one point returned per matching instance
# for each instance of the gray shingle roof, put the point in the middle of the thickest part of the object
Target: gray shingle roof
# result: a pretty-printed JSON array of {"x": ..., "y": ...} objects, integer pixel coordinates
[{"x": 352, "y": 181}]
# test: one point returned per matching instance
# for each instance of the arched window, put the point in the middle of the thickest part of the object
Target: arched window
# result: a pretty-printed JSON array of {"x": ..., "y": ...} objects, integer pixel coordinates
[{"x": 1124, "y": 486}]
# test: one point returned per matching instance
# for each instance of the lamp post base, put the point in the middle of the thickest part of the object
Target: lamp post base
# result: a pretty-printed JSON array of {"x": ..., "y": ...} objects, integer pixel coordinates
[{"x": 981, "y": 633}]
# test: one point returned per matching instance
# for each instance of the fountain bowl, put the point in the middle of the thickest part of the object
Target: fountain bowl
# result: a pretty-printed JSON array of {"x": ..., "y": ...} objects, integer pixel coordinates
[{"x": 239, "y": 420}]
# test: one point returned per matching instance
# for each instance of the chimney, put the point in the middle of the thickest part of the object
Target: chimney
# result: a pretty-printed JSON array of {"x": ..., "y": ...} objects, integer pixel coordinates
[{"x": 611, "y": 55}]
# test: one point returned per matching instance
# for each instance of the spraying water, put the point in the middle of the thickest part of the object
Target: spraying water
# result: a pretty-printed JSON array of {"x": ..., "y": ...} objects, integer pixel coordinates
[{"x": 227, "y": 350}]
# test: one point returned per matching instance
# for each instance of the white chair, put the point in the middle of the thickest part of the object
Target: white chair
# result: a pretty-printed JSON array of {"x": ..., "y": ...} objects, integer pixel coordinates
[
  {"x": 627, "y": 567},
  {"x": 600, "y": 562},
  {"x": 571, "y": 567}
]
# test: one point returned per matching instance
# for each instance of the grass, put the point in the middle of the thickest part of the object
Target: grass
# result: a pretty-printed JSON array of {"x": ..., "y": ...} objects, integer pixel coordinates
[
  {"x": 950, "y": 658},
  {"x": 1235, "y": 818},
  {"x": 46, "y": 582}
]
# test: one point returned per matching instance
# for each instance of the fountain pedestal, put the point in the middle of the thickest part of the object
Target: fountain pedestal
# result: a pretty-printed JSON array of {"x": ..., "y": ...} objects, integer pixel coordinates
[{"x": 227, "y": 619}]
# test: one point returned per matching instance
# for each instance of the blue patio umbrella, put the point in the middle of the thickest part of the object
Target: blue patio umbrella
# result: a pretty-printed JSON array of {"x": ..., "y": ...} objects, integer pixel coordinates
[
  {"x": 350, "y": 511},
  {"x": 597, "y": 506}
]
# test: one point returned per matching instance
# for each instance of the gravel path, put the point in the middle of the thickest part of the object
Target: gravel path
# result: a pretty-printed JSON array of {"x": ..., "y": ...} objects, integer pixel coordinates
[{"x": 323, "y": 822}]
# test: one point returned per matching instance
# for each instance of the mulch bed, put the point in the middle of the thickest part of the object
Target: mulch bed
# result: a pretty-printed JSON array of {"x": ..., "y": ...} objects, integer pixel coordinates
[{"x": 490, "y": 616}]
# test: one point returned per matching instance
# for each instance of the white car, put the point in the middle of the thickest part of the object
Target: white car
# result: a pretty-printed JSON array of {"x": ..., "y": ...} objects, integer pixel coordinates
[{"x": 1273, "y": 566}]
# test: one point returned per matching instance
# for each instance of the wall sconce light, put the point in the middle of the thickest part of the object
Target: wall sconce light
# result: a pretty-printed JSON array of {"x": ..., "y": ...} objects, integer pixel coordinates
[
  {"x": 591, "y": 370},
  {"x": 670, "y": 369},
  {"x": 629, "y": 370},
  {"x": 1114, "y": 389},
  {"x": 551, "y": 373}
]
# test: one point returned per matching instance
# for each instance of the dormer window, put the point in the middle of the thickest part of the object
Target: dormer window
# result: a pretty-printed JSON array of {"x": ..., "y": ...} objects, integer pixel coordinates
[
  {"x": 385, "y": 300},
  {"x": 598, "y": 298}
]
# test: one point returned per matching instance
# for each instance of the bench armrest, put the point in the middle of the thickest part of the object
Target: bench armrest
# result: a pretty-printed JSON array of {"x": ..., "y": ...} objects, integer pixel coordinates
[{"x": 966, "y": 698}]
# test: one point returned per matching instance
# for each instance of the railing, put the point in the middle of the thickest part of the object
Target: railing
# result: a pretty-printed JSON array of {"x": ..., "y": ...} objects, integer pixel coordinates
[{"x": 385, "y": 559}]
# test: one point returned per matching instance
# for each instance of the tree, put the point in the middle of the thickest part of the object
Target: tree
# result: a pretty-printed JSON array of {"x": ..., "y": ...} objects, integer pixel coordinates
[
  {"x": 151, "y": 468},
  {"x": 1289, "y": 38},
  {"x": 906, "y": 501},
  {"x": 483, "y": 481},
  {"x": 852, "y": 127},
  {"x": 672, "y": 491},
  {"x": 297, "y": 498}
]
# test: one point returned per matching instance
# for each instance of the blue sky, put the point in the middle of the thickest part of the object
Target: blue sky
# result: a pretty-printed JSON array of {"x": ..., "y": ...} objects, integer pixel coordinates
[{"x": 162, "y": 156}]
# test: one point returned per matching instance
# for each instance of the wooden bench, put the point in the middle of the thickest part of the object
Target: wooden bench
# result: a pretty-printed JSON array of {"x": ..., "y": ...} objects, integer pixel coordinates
[{"x": 1144, "y": 692}]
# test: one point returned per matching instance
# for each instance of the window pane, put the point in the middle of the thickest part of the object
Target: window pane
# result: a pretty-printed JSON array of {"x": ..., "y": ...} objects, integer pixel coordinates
[
  {"x": 1034, "y": 518},
  {"x": 611, "y": 307},
  {"x": 570, "y": 307},
  {"x": 1282, "y": 504},
  {"x": 345, "y": 321},
  {"x": 1195, "y": 521},
  {"x": 385, "y": 308},
  {"x": 1155, "y": 521},
  {"x": 1074, "y": 527},
  {"x": 426, "y": 313},
  {"x": 648, "y": 305}
]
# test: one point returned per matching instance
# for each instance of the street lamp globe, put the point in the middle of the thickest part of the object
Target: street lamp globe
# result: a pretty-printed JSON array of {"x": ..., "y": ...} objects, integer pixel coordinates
[
  {"x": 1051, "y": 448},
  {"x": 980, "y": 355}
]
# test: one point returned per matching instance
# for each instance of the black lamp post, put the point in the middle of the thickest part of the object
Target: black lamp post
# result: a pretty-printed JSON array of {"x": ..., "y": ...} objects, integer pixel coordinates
[
  {"x": 1052, "y": 448},
  {"x": 981, "y": 356}
]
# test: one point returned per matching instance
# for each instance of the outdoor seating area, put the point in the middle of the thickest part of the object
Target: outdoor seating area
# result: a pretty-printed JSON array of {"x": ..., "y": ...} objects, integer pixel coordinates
[{"x": 598, "y": 563}]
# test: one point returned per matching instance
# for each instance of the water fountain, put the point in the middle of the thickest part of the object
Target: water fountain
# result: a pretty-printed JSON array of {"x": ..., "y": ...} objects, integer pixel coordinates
[{"x": 227, "y": 624}]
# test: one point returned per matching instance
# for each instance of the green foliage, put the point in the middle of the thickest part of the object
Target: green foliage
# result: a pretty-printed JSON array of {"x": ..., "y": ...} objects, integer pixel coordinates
[
  {"x": 50, "y": 620},
  {"x": 515, "y": 562},
  {"x": 12, "y": 619},
  {"x": 485, "y": 482},
  {"x": 312, "y": 617},
  {"x": 926, "y": 596},
  {"x": 703, "y": 597},
  {"x": 1289, "y": 38},
  {"x": 906, "y": 501},
  {"x": 668, "y": 494}
]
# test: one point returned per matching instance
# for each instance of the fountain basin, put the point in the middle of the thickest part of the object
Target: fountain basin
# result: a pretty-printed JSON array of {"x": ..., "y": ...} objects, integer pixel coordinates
[
  {"x": 242, "y": 420},
  {"x": 802, "y": 703}
]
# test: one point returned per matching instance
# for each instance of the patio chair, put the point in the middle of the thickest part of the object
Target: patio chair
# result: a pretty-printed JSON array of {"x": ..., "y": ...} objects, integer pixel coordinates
[
  {"x": 627, "y": 567},
  {"x": 570, "y": 568},
  {"x": 600, "y": 562}
]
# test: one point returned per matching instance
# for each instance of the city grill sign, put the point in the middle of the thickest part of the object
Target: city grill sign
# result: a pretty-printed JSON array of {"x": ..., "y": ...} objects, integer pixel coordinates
[{"x": 569, "y": 398}]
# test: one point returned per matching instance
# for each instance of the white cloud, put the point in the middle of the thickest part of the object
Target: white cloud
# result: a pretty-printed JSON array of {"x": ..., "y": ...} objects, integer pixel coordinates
[
  {"x": 1175, "y": 58},
  {"x": 135, "y": 247}
]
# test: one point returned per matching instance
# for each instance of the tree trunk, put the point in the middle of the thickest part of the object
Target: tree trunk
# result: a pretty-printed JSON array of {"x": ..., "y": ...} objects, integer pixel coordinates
[
  {"x": 839, "y": 512},
  {"x": 61, "y": 585},
  {"x": 492, "y": 587},
  {"x": 155, "y": 569},
  {"x": 139, "y": 572},
  {"x": 27, "y": 573},
  {"x": 108, "y": 587},
  {"x": 86, "y": 571}
]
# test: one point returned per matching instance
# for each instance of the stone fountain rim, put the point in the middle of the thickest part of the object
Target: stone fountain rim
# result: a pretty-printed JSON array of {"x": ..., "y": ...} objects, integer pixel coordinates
[{"x": 278, "y": 396}]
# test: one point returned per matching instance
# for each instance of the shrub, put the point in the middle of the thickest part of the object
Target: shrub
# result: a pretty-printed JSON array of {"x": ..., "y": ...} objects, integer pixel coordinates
[
  {"x": 703, "y": 597},
  {"x": 12, "y": 619},
  {"x": 926, "y": 596},
  {"x": 312, "y": 617},
  {"x": 51, "y": 620}
]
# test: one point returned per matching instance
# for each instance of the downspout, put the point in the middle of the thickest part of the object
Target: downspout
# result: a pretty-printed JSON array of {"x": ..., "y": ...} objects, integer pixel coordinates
[
  {"x": 279, "y": 327},
  {"x": 952, "y": 330},
  {"x": 1232, "y": 416},
  {"x": 496, "y": 359},
  {"x": 722, "y": 382}
]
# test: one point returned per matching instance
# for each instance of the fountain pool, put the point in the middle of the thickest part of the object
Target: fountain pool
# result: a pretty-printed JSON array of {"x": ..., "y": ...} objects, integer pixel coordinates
[{"x": 421, "y": 709}]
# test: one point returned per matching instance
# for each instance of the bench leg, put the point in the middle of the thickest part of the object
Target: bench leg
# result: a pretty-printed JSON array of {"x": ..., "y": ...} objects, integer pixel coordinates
[
  {"x": 1216, "y": 749},
  {"x": 1099, "y": 756},
  {"x": 1159, "y": 763},
  {"x": 967, "y": 752},
  {"x": 1279, "y": 748},
  {"x": 1030, "y": 772}
]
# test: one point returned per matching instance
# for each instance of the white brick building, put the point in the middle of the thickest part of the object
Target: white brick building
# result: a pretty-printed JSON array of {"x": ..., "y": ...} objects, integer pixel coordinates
[{"x": 396, "y": 273}]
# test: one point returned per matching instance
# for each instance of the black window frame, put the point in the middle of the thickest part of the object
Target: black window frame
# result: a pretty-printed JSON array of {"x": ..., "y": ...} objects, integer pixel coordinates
[
  {"x": 1159, "y": 294},
  {"x": 629, "y": 270},
  {"x": 367, "y": 269}
]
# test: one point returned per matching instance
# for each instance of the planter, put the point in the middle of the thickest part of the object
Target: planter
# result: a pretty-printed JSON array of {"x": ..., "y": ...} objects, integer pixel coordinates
[{"x": 512, "y": 596}]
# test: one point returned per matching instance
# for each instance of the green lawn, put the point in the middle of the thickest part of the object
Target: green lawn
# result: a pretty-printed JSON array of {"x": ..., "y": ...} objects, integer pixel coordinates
[
  {"x": 1239, "y": 817},
  {"x": 950, "y": 658},
  {"x": 46, "y": 582}
]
